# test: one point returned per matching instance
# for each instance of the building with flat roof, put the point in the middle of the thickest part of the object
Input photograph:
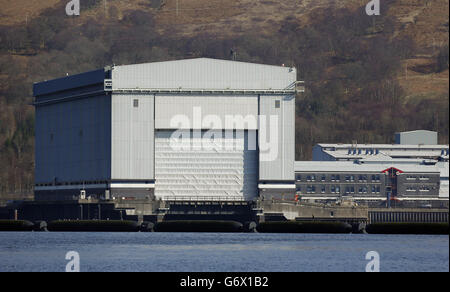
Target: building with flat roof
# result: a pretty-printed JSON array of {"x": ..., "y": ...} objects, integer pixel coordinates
[
  {"x": 325, "y": 180},
  {"x": 414, "y": 151}
]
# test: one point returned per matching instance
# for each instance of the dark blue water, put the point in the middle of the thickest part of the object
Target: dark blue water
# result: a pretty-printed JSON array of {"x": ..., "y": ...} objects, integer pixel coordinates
[{"x": 221, "y": 252}]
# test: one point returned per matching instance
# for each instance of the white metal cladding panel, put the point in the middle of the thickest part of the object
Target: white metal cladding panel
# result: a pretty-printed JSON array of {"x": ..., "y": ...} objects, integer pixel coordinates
[
  {"x": 277, "y": 138},
  {"x": 132, "y": 137},
  {"x": 73, "y": 140},
  {"x": 417, "y": 137},
  {"x": 221, "y": 167},
  {"x": 444, "y": 189},
  {"x": 203, "y": 73},
  {"x": 222, "y": 108}
]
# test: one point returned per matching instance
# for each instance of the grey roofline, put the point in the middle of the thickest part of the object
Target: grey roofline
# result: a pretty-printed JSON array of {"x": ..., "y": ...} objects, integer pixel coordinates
[
  {"x": 98, "y": 77},
  {"x": 70, "y": 82},
  {"x": 416, "y": 131},
  {"x": 204, "y": 58}
]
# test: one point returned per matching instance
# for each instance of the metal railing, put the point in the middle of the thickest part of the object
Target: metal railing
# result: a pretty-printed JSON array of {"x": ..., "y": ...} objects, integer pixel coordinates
[
  {"x": 205, "y": 198},
  {"x": 297, "y": 86}
]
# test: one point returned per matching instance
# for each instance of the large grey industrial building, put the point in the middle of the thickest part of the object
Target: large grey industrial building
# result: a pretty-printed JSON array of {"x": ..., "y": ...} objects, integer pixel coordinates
[
  {"x": 206, "y": 129},
  {"x": 111, "y": 132}
]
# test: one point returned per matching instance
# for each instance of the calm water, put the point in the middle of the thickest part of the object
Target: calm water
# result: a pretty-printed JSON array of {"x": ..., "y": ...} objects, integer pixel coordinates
[{"x": 219, "y": 252}]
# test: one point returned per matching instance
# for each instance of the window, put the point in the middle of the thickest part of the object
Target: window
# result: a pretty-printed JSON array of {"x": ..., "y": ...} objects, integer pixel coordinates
[
  {"x": 338, "y": 189},
  {"x": 136, "y": 103},
  {"x": 324, "y": 177},
  {"x": 308, "y": 178},
  {"x": 277, "y": 104},
  {"x": 333, "y": 177},
  {"x": 363, "y": 190},
  {"x": 298, "y": 189},
  {"x": 311, "y": 189},
  {"x": 298, "y": 177},
  {"x": 313, "y": 177},
  {"x": 338, "y": 177},
  {"x": 323, "y": 190},
  {"x": 333, "y": 189}
]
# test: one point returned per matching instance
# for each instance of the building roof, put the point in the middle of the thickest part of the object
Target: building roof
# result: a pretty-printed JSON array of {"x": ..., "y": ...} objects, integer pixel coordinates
[
  {"x": 204, "y": 73},
  {"x": 352, "y": 167},
  {"x": 417, "y": 132},
  {"x": 64, "y": 83},
  {"x": 419, "y": 147},
  {"x": 383, "y": 151},
  {"x": 201, "y": 74}
]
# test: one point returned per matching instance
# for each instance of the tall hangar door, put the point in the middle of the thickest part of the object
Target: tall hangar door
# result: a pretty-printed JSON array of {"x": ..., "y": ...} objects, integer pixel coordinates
[
  {"x": 202, "y": 166},
  {"x": 207, "y": 163}
]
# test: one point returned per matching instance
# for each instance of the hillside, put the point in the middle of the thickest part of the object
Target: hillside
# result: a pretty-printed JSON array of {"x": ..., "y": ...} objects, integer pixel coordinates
[
  {"x": 366, "y": 77},
  {"x": 425, "y": 22}
]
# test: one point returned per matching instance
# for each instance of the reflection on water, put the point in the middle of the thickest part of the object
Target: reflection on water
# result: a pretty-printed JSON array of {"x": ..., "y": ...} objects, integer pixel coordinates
[{"x": 221, "y": 252}]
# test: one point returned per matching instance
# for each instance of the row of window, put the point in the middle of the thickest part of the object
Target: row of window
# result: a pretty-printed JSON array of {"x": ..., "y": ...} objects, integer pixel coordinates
[
  {"x": 336, "y": 189},
  {"x": 418, "y": 189},
  {"x": 337, "y": 177},
  {"x": 422, "y": 177}
]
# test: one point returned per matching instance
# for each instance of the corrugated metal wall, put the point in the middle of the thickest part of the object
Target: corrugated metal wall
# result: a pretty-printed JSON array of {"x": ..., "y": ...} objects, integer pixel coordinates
[
  {"x": 203, "y": 73},
  {"x": 112, "y": 136},
  {"x": 73, "y": 140},
  {"x": 168, "y": 108},
  {"x": 277, "y": 135},
  {"x": 207, "y": 165},
  {"x": 132, "y": 137}
]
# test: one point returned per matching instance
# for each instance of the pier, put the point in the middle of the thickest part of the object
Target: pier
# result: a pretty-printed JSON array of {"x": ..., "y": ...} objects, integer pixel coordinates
[{"x": 408, "y": 216}]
